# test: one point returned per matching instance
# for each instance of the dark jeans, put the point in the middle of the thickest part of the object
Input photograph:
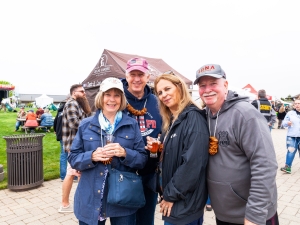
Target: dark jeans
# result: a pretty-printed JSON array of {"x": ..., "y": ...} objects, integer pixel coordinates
[
  {"x": 145, "y": 215},
  {"x": 196, "y": 222},
  {"x": 122, "y": 220},
  {"x": 18, "y": 124},
  {"x": 273, "y": 221}
]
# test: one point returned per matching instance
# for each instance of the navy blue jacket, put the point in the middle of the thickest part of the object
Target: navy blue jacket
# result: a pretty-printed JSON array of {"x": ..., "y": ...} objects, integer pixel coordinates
[
  {"x": 152, "y": 121},
  {"x": 185, "y": 157},
  {"x": 87, "y": 200}
]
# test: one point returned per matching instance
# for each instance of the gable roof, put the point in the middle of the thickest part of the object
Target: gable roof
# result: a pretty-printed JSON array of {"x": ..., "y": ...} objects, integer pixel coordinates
[
  {"x": 249, "y": 88},
  {"x": 113, "y": 64}
]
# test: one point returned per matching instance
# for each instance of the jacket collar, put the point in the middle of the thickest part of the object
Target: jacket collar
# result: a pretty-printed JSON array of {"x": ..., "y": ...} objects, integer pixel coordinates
[{"x": 125, "y": 120}]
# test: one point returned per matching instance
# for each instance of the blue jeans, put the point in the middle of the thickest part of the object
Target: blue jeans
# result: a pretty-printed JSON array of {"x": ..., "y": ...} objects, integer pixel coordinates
[
  {"x": 292, "y": 145},
  {"x": 196, "y": 222},
  {"x": 63, "y": 161},
  {"x": 145, "y": 215},
  {"x": 18, "y": 124},
  {"x": 208, "y": 200},
  {"x": 124, "y": 220}
]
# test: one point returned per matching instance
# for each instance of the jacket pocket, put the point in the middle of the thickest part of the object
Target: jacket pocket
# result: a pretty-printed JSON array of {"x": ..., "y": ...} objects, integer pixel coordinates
[
  {"x": 228, "y": 199},
  {"x": 91, "y": 141},
  {"x": 126, "y": 139}
]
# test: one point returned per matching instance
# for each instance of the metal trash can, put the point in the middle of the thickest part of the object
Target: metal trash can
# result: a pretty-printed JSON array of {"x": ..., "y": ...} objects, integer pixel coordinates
[{"x": 24, "y": 161}]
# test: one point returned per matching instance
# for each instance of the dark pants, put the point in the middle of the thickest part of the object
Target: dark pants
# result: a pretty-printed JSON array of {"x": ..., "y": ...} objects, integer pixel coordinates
[
  {"x": 196, "y": 222},
  {"x": 124, "y": 220},
  {"x": 273, "y": 221},
  {"x": 145, "y": 215}
]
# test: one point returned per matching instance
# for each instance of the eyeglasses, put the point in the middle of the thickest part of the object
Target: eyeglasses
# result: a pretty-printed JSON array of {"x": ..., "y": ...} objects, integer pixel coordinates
[
  {"x": 169, "y": 72},
  {"x": 82, "y": 91}
]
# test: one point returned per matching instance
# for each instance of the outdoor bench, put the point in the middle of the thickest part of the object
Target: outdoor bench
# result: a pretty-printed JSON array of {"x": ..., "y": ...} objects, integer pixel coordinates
[{"x": 27, "y": 128}]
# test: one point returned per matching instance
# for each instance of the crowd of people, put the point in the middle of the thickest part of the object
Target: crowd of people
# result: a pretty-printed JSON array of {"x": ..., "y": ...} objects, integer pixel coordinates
[
  {"x": 41, "y": 117},
  {"x": 219, "y": 156}
]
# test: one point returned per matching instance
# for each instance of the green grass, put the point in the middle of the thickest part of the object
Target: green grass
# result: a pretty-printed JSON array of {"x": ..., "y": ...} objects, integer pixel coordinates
[{"x": 51, "y": 147}]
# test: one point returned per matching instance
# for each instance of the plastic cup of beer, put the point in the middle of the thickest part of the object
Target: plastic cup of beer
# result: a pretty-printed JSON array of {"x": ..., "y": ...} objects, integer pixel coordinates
[
  {"x": 109, "y": 138},
  {"x": 155, "y": 147}
]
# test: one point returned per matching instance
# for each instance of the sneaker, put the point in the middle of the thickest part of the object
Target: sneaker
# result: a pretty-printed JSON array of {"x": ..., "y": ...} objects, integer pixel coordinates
[
  {"x": 66, "y": 209},
  {"x": 208, "y": 208},
  {"x": 286, "y": 169}
]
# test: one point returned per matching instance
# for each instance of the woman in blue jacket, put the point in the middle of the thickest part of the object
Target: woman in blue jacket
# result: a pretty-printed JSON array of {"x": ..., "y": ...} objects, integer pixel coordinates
[{"x": 90, "y": 155}]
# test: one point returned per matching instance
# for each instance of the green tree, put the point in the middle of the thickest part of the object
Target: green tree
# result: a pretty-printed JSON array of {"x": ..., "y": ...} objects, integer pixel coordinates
[{"x": 10, "y": 93}]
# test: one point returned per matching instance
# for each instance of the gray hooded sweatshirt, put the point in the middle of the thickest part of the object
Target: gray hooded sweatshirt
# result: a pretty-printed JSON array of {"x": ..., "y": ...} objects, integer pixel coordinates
[{"x": 242, "y": 175}]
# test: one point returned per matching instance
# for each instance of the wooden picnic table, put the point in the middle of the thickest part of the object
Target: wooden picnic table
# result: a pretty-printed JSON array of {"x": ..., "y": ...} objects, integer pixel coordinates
[
  {"x": 27, "y": 128},
  {"x": 24, "y": 120}
]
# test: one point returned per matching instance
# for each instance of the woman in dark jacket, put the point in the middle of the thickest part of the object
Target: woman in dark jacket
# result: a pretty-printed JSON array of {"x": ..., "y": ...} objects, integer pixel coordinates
[
  {"x": 90, "y": 155},
  {"x": 185, "y": 153}
]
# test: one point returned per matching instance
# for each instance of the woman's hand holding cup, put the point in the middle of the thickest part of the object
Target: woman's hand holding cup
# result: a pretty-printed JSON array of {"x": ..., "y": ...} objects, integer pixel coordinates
[
  {"x": 114, "y": 149},
  {"x": 99, "y": 155},
  {"x": 153, "y": 145}
]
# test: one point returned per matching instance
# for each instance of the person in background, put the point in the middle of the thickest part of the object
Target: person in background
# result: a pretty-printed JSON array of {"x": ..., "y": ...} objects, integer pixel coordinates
[
  {"x": 292, "y": 122},
  {"x": 241, "y": 173},
  {"x": 4, "y": 103},
  {"x": 76, "y": 109},
  {"x": 46, "y": 120},
  {"x": 20, "y": 115},
  {"x": 57, "y": 126},
  {"x": 91, "y": 155},
  {"x": 185, "y": 140},
  {"x": 265, "y": 108},
  {"x": 39, "y": 112},
  {"x": 280, "y": 115},
  {"x": 273, "y": 105},
  {"x": 31, "y": 121},
  {"x": 143, "y": 107}
]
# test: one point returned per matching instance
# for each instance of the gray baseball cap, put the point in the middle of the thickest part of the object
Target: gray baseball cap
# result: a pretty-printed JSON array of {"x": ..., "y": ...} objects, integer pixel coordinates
[{"x": 212, "y": 70}]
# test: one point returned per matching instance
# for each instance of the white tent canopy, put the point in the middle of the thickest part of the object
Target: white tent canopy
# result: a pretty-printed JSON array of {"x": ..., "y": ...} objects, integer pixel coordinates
[
  {"x": 43, "y": 101},
  {"x": 243, "y": 92}
]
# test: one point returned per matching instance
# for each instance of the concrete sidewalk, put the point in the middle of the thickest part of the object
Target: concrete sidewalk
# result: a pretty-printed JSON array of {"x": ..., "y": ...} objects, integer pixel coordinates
[{"x": 40, "y": 205}]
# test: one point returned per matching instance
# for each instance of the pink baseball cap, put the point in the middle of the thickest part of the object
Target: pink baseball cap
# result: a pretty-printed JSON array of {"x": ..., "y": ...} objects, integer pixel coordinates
[{"x": 137, "y": 64}]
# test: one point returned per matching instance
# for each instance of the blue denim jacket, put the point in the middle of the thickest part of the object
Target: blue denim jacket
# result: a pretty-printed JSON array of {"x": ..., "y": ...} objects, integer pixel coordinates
[
  {"x": 87, "y": 200},
  {"x": 294, "y": 130}
]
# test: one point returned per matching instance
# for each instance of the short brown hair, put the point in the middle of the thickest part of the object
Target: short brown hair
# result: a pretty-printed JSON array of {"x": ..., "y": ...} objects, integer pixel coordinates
[
  {"x": 99, "y": 99},
  {"x": 73, "y": 87},
  {"x": 262, "y": 93}
]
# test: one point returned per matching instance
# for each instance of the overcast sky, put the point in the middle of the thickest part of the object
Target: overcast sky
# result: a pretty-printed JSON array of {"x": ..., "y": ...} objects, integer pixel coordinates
[{"x": 46, "y": 46}]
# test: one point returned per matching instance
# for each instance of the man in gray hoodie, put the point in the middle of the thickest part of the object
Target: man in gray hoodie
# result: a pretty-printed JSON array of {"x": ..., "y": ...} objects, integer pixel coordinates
[{"x": 242, "y": 164}]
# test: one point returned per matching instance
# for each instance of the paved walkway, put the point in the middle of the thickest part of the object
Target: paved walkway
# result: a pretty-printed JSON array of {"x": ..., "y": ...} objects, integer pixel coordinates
[{"x": 40, "y": 205}]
